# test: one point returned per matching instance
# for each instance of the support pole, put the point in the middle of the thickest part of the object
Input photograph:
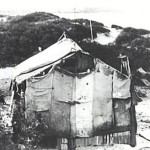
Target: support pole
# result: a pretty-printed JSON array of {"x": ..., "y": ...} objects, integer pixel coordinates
[
  {"x": 11, "y": 101},
  {"x": 91, "y": 30}
]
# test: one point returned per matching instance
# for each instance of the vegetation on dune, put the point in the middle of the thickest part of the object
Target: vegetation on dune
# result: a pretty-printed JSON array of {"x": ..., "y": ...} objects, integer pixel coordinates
[
  {"x": 136, "y": 45},
  {"x": 107, "y": 53},
  {"x": 21, "y": 36},
  {"x": 116, "y": 26},
  {"x": 96, "y": 26},
  {"x": 35, "y": 17},
  {"x": 126, "y": 37},
  {"x": 129, "y": 35},
  {"x": 141, "y": 42},
  {"x": 136, "y": 31},
  {"x": 21, "y": 40}
]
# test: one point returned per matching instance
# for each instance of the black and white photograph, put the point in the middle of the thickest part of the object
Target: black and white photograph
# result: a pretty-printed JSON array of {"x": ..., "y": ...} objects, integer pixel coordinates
[{"x": 74, "y": 75}]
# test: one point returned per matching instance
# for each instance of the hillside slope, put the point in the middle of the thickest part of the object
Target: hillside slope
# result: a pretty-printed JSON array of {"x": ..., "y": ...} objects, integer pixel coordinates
[
  {"x": 21, "y": 36},
  {"x": 136, "y": 44}
]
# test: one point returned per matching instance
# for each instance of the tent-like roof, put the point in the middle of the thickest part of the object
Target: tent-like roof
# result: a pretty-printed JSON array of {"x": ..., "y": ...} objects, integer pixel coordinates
[
  {"x": 47, "y": 57},
  {"x": 51, "y": 56}
]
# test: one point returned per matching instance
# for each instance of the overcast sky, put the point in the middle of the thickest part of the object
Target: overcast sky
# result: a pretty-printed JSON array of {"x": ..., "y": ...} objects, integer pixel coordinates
[{"x": 124, "y": 12}]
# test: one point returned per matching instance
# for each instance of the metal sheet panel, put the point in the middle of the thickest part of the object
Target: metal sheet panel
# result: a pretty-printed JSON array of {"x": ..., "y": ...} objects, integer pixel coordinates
[
  {"x": 84, "y": 98},
  {"x": 102, "y": 102},
  {"x": 60, "y": 107}
]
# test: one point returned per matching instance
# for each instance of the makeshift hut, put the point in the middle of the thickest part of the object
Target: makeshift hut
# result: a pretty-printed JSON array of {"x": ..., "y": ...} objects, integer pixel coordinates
[{"x": 78, "y": 96}]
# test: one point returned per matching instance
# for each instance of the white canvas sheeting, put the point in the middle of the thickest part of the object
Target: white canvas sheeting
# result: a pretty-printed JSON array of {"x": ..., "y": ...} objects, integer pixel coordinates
[
  {"x": 83, "y": 109},
  {"x": 48, "y": 56},
  {"x": 78, "y": 106},
  {"x": 59, "y": 124},
  {"x": 21, "y": 78},
  {"x": 60, "y": 107},
  {"x": 38, "y": 93},
  {"x": 102, "y": 101},
  {"x": 75, "y": 95},
  {"x": 121, "y": 86},
  {"x": 62, "y": 87}
]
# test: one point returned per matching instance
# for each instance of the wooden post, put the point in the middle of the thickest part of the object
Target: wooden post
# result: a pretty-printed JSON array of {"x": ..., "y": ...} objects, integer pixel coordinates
[
  {"x": 133, "y": 126},
  {"x": 11, "y": 100},
  {"x": 133, "y": 118}
]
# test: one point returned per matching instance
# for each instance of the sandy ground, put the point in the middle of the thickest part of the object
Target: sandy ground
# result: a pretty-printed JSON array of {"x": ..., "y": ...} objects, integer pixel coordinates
[
  {"x": 104, "y": 38},
  {"x": 6, "y": 73}
]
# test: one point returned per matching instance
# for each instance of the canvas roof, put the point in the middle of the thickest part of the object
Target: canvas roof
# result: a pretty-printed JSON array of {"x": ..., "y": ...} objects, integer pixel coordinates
[
  {"x": 51, "y": 56},
  {"x": 47, "y": 57}
]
